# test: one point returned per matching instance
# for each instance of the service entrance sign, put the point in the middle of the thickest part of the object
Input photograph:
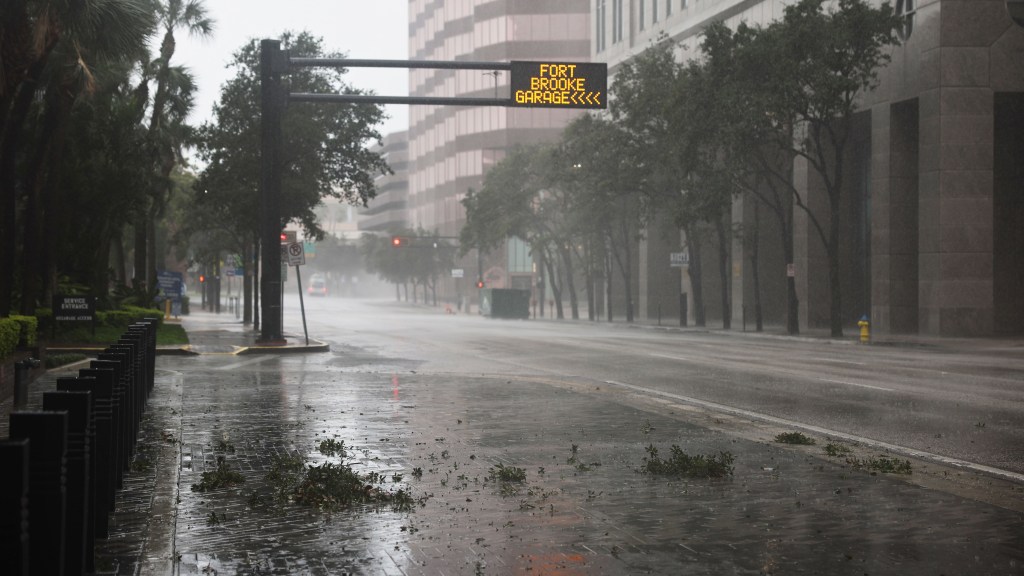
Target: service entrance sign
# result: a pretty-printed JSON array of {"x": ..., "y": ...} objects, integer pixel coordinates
[{"x": 560, "y": 84}]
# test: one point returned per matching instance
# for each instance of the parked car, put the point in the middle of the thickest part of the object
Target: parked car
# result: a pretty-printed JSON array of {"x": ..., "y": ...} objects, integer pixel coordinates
[{"x": 317, "y": 286}]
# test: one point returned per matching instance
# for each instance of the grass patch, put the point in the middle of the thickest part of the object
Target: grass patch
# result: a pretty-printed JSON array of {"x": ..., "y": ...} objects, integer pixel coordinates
[
  {"x": 680, "y": 464},
  {"x": 58, "y": 360},
  {"x": 222, "y": 477},
  {"x": 171, "y": 335},
  {"x": 795, "y": 438},
  {"x": 835, "y": 450},
  {"x": 882, "y": 464}
]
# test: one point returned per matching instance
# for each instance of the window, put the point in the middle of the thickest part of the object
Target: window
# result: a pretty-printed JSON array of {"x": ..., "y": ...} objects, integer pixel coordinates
[
  {"x": 654, "y": 11},
  {"x": 683, "y": 4},
  {"x": 599, "y": 38},
  {"x": 643, "y": 4},
  {"x": 668, "y": 8},
  {"x": 907, "y": 9}
]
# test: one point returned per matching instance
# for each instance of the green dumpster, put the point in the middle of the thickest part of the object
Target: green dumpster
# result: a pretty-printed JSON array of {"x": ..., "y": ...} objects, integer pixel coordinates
[{"x": 504, "y": 303}]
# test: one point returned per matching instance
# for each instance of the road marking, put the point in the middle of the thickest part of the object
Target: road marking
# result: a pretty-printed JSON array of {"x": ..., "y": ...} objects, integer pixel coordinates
[
  {"x": 954, "y": 462},
  {"x": 856, "y": 384},
  {"x": 847, "y": 383},
  {"x": 833, "y": 360},
  {"x": 243, "y": 363}
]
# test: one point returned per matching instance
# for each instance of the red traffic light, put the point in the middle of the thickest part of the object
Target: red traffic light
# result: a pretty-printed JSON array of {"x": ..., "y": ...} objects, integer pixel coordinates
[
  {"x": 202, "y": 278},
  {"x": 479, "y": 283},
  {"x": 284, "y": 237},
  {"x": 398, "y": 241}
]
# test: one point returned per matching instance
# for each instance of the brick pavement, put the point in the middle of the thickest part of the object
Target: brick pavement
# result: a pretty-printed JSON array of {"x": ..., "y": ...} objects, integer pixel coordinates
[{"x": 786, "y": 510}]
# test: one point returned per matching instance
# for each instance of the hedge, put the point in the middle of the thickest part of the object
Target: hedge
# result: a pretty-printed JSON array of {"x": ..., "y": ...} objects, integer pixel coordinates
[
  {"x": 29, "y": 329},
  {"x": 10, "y": 331},
  {"x": 113, "y": 318}
]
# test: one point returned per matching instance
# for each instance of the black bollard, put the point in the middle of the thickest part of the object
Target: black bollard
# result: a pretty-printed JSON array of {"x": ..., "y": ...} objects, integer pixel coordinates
[
  {"x": 14, "y": 542},
  {"x": 47, "y": 432},
  {"x": 129, "y": 375},
  {"x": 21, "y": 369},
  {"x": 77, "y": 405},
  {"x": 99, "y": 383}
]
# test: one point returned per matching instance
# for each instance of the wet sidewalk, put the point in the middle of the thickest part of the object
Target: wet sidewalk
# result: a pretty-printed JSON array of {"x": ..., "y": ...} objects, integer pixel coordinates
[{"x": 581, "y": 506}]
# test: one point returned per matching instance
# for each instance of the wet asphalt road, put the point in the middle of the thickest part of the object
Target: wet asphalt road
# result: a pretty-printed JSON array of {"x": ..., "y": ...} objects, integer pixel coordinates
[
  {"x": 954, "y": 399},
  {"x": 435, "y": 403}
]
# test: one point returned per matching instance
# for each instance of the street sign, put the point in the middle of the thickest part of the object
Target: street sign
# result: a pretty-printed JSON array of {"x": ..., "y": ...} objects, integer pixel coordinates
[
  {"x": 679, "y": 259},
  {"x": 169, "y": 283},
  {"x": 458, "y": 273},
  {"x": 296, "y": 254},
  {"x": 560, "y": 84}
]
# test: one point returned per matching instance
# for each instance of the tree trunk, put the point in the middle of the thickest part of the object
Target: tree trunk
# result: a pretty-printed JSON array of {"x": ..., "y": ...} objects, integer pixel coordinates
[
  {"x": 247, "y": 272},
  {"x": 139, "y": 268},
  {"x": 257, "y": 275},
  {"x": 608, "y": 277},
  {"x": 755, "y": 266},
  {"x": 574, "y": 304},
  {"x": 556, "y": 288},
  {"x": 11, "y": 132},
  {"x": 120, "y": 266},
  {"x": 695, "y": 270},
  {"x": 723, "y": 272},
  {"x": 835, "y": 289}
]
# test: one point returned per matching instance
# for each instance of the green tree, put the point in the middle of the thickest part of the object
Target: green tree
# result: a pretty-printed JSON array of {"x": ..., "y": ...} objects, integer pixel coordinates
[
  {"x": 55, "y": 49},
  {"x": 168, "y": 131},
  {"x": 324, "y": 146},
  {"x": 823, "y": 60}
]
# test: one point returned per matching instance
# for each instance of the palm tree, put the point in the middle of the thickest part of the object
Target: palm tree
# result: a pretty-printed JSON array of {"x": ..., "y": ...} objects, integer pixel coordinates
[
  {"x": 32, "y": 32},
  {"x": 163, "y": 141}
]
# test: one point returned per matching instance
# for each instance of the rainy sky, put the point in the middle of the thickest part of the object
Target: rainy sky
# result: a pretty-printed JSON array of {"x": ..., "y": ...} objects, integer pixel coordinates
[{"x": 361, "y": 28}]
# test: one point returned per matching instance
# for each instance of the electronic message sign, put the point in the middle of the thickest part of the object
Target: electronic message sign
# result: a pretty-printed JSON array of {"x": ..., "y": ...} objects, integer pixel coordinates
[{"x": 560, "y": 84}]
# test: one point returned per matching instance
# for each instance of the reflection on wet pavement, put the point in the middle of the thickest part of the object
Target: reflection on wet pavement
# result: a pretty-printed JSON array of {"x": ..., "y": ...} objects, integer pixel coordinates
[{"x": 784, "y": 511}]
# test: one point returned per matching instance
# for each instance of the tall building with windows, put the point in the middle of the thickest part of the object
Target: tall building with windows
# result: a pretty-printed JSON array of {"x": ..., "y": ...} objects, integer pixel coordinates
[
  {"x": 451, "y": 148},
  {"x": 388, "y": 210},
  {"x": 933, "y": 221}
]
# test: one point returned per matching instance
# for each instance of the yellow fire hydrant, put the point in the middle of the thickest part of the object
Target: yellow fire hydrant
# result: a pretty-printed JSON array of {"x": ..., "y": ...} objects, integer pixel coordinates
[{"x": 865, "y": 329}]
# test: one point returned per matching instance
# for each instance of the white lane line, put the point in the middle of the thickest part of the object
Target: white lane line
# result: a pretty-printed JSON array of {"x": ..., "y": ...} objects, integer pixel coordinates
[
  {"x": 845, "y": 382},
  {"x": 244, "y": 363},
  {"x": 856, "y": 384},
  {"x": 957, "y": 463},
  {"x": 835, "y": 361}
]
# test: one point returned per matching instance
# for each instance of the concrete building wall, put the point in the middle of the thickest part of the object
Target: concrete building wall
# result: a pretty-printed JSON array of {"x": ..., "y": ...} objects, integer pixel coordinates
[
  {"x": 931, "y": 239},
  {"x": 451, "y": 148}
]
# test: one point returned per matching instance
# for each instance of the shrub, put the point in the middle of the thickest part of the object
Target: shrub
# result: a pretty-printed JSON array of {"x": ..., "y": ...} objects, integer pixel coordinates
[
  {"x": 681, "y": 464},
  {"x": 10, "y": 331},
  {"x": 794, "y": 438},
  {"x": 29, "y": 326}
]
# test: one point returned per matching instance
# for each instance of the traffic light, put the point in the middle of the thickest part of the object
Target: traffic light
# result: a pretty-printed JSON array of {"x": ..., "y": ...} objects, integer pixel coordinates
[
  {"x": 479, "y": 283},
  {"x": 202, "y": 278},
  {"x": 284, "y": 237},
  {"x": 399, "y": 241}
]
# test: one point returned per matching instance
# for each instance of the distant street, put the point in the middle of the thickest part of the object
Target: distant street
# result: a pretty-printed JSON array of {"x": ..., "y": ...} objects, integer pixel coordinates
[{"x": 965, "y": 404}]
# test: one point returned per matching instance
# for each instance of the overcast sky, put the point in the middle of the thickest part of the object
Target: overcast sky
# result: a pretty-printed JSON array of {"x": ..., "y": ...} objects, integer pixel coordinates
[{"x": 376, "y": 29}]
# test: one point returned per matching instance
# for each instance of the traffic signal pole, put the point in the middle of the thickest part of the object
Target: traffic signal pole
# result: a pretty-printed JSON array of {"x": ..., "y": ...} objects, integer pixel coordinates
[
  {"x": 533, "y": 85},
  {"x": 272, "y": 63}
]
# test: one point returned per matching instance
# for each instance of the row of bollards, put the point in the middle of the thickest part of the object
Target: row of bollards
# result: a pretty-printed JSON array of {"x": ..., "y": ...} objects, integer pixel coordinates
[{"x": 62, "y": 465}]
